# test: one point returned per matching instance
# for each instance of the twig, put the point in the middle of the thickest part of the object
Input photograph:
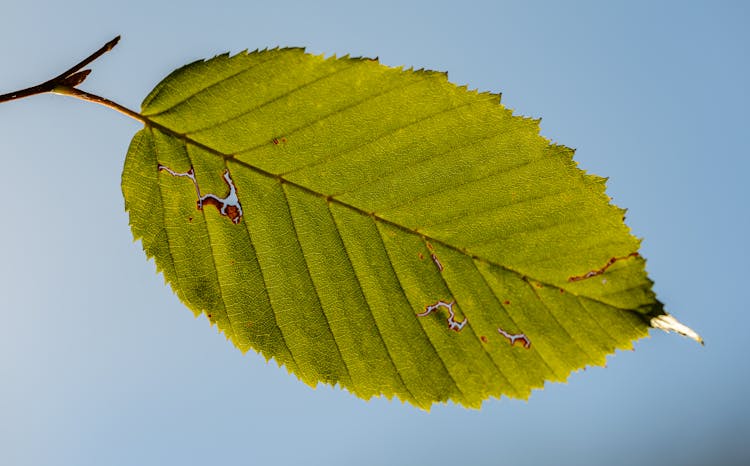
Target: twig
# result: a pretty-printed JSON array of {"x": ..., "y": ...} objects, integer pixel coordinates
[
  {"x": 66, "y": 84},
  {"x": 69, "y": 79}
]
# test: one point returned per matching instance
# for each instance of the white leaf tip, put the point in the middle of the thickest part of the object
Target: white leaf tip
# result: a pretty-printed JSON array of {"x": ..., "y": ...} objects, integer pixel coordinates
[{"x": 668, "y": 323}]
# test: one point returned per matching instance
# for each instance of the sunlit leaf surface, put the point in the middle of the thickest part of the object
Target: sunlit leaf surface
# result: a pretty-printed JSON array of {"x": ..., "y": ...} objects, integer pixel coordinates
[{"x": 380, "y": 228}]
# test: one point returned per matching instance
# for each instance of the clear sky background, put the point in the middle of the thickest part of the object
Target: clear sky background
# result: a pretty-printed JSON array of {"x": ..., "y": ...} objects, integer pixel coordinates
[{"x": 100, "y": 364}]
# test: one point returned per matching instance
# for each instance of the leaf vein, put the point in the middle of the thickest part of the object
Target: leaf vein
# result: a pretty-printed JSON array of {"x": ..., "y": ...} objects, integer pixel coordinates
[
  {"x": 352, "y": 207},
  {"x": 233, "y": 335},
  {"x": 268, "y": 297},
  {"x": 163, "y": 218},
  {"x": 603, "y": 329},
  {"x": 248, "y": 111},
  {"x": 331, "y": 114},
  {"x": 559, "y": 324},
  {"x": 454, "y": 186},
  {"x": 204, "y": 89},
  {"x": 314, "y": 286},
  {"x": 369, "y": 306},
  {"x": 414, "y": 163},
  {"x": 476, "y": 336},
  {"x": 515, "y": 324},
  {"x": 421, "y": 327},
  {"x": 493, "y": 209},
  {"x": 379, "y": 137}
]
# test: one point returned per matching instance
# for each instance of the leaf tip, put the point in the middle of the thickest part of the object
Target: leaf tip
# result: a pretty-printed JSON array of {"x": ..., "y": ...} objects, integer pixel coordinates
[{"x": 668, "y": 323}]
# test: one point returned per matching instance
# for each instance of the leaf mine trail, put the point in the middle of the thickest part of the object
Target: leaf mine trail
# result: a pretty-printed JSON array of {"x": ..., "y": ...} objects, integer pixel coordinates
[
  {"x": 513, "y": 338},
  {"x": 596, "y": 272},
  {"x": 453, "y": 324},
  {"x": 228, "y": 206}
]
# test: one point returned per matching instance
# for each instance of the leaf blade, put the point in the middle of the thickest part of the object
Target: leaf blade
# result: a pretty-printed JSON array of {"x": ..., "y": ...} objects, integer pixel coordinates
[{"x": 354, "y": 222}]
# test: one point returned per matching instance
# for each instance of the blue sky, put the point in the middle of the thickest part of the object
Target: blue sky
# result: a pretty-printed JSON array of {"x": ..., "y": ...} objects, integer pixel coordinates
[{"x": 101, "y": 364}]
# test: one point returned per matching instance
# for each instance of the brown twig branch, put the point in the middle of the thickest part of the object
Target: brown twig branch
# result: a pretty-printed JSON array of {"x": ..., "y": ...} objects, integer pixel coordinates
[
  {"x": 66, "y": 84},
  {"x": 69, "y": 79}
]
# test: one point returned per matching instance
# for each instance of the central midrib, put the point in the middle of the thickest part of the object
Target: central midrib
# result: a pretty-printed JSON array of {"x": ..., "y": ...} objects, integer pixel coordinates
[{"x": 148, "y": 122}]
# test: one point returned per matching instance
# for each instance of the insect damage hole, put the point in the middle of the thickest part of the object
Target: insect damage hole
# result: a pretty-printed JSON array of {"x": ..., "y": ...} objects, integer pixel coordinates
[
  {"x": 453, "y": 324},
  {"x": 228, "y": 206}
]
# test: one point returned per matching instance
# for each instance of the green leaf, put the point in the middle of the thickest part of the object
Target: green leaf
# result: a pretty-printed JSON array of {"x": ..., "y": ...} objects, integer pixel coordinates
[{"x": 391, "y": 232}]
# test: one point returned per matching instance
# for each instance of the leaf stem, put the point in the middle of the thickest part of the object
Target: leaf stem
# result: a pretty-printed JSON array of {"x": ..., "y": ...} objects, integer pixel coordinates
[
  {"x": 65, "y": 83},
  {"x": 83, "y": 95}
]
